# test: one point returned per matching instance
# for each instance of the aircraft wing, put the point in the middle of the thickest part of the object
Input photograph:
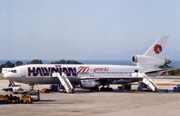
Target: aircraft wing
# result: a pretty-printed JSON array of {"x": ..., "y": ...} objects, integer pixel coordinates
[
  {"x": 130, "y": 77},
  {"x": 134, "y": 77},
  {"x": 110, "y": 77},
  {"x": 166, "y": 77},
  {"x": 160, "y": 71},
  {"x": 114, "y": 79},
  {"x": 140, "y": 75}
]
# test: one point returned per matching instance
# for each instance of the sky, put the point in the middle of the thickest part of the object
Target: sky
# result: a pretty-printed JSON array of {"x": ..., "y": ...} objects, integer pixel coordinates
[{"x": 87, "y": 29}]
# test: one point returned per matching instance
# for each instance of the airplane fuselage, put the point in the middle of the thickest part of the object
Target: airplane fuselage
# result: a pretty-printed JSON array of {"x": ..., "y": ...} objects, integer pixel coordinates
[{"x": 42, "y": 74}]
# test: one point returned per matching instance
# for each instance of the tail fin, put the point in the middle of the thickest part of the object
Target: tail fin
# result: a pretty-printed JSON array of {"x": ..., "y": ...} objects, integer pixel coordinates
[{"x": 156, "y": 49}]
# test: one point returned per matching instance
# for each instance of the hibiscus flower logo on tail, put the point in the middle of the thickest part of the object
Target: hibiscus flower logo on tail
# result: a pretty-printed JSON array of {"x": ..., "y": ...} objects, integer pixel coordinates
[{"x": 157, "y": 49}]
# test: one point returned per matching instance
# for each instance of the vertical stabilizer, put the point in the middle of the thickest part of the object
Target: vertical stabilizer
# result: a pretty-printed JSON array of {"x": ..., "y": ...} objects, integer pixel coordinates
[{"x": 156, "y": 49}]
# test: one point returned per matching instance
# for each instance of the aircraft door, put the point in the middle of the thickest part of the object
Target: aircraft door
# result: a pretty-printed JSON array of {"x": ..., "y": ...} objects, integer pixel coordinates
[
  {"x": 23, "y": 73},
  {"x": 91, "y": 73}
]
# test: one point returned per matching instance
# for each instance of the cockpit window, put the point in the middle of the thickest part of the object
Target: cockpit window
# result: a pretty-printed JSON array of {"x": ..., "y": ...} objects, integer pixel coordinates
[{"x": 13, "y": 71}]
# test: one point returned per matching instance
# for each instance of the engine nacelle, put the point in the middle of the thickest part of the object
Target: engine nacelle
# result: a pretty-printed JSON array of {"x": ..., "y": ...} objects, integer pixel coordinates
[
  {"x": 149, "y": 61},
  {"x": 87, "y": 84}
]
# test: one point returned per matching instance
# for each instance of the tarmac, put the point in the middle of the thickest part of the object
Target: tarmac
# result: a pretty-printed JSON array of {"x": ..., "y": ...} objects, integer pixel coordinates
[{"x": 88, "y": 103}]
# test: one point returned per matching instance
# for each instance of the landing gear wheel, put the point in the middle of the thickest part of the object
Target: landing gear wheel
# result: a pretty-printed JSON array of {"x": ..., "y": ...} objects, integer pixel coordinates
[
  {"x": 94, "y": 89},
  {"x": 127, "y": 87},
  {"x": 31, "y": 86},
  {"x": 106, "y": 89}
]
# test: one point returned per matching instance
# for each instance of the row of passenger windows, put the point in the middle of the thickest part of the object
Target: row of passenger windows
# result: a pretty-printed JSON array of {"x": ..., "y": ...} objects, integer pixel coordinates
[
  {"x": 113, "y": 72},
  {"x": 107, "y": 73}
]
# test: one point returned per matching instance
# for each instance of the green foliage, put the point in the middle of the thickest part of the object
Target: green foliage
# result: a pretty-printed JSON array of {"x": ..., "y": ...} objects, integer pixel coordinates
[
  {"x": 1, "y": 68},
  {"x": 18, "y": 63},
  {"x": 175, "y": 72},
  {"x": 7, "y": 64},
  {"x": 35, "y": 61},
  {"x": 66, "y": 62}
]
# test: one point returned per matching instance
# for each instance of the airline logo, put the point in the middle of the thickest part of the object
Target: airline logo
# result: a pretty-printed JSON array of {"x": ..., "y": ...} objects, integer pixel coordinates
[
  {"x": 69, "y": 71},
  {"x": 157, "y": 48},
  {"x": 47, "y": 71}
]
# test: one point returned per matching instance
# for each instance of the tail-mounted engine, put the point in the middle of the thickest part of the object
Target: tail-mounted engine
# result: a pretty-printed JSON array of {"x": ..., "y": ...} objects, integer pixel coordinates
[{"x": 148, "y": 61}]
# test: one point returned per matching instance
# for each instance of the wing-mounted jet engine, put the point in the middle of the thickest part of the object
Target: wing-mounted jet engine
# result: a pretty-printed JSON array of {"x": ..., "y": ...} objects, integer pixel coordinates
[{"x": 88, "y": 84}]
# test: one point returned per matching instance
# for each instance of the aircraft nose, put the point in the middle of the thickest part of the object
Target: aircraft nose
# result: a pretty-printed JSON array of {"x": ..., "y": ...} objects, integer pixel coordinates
[
  {"x": 4, "y": 75},
  {"x": 7, "y": 75},
  {"x": 1, "y": 75}
]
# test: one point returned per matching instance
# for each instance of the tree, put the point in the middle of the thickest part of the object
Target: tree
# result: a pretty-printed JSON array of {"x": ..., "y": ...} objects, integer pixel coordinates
[
  {"x": 177, "y": 71},
  {"x": 18, "y": 63},
  {"x": 1, "y": 66},
  {"x": 66, "y": 62},
  {"x": 35, "y": 61},
  {"x": 8, "y": 64}
]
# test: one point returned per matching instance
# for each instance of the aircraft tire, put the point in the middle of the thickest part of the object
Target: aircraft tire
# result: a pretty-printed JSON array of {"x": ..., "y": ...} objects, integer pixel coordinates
[{"x": 106, "y": 89}]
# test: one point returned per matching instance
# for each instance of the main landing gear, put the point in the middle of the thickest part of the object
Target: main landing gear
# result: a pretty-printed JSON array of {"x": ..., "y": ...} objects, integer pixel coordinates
[
  {"x": 31, "y": 86},
  {"x": 101, "y": 89},
  {"x": 106, "y": 88},
  {"x": 94, "y": 89},
  {"x": 125, "y": 87}
]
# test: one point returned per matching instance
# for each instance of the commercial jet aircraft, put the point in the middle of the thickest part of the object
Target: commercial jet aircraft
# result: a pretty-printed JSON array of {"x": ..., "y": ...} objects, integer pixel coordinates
[{"x": 93, "y": 76}]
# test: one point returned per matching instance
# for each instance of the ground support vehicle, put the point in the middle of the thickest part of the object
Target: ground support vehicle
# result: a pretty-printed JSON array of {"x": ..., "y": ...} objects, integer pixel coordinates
[
  {"x": 25, "y": 98},
  {"x": 35, "y": 95},
  {"x": 9, "y": 99}
]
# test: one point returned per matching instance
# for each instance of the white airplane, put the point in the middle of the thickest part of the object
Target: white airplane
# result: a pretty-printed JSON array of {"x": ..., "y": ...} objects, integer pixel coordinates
[{"x": 93, "y": 76}]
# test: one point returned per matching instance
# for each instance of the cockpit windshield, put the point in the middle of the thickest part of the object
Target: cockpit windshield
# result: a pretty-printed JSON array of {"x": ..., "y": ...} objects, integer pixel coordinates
[{"x": 13, "y": 71}]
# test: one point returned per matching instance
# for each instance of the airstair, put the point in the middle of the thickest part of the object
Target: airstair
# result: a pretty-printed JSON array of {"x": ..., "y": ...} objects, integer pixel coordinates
[
  {"x": 147, "y": 81},
  {"x": 64, "y": 81},
  {"x": 150, "y": 84}
]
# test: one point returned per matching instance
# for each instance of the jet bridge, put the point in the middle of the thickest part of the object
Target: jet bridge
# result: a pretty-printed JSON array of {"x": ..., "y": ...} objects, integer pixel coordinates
[{"x": 64, "y": 81}]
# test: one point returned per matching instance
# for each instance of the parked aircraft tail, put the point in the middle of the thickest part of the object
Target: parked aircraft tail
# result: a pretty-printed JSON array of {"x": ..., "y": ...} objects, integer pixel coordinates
[
  {"x": 153, "y": 57},
  {"x": 156, "y": 49}
]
